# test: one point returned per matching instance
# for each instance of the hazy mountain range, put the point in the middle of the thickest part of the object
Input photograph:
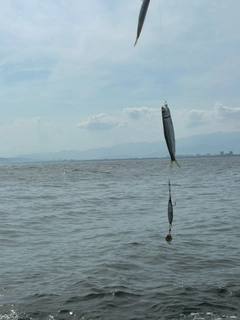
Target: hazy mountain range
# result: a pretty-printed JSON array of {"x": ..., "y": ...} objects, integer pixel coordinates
[{"x": 199, "y": 144}]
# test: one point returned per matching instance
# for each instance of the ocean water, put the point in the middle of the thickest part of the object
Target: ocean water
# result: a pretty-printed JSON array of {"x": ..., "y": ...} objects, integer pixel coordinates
[{"x": 86, "y": 240}]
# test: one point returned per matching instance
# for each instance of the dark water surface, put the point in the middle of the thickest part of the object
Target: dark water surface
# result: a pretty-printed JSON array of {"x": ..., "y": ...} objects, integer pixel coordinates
[{"x": 86, "y": 240}]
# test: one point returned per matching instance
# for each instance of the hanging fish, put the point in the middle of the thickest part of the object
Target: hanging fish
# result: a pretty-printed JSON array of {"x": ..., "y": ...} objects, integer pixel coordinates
[
  {"x": 170, "y": 219},
  {"x": 169, "y": 132},
  {"x": 170, "y": 214},
  {"x": 141, "y": 18},
  {"x": 170, "y": 208}
]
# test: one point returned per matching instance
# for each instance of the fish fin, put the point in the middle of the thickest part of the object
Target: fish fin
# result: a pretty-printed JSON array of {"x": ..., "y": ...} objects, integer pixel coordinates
[
  {"x": 174, "y": 161},
  {"x": 177, "y": 164}
]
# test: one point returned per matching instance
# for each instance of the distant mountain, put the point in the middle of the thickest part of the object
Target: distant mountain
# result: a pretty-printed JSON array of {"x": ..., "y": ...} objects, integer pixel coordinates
[
  {"x": 212, "y": 143},
  {"x": 199, "y": 144},
  {"x": 121, "y": 151},
  {"x": 16, "y": 160}
]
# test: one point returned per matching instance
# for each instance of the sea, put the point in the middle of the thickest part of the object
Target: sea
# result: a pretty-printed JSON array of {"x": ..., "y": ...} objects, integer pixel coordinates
[{"x": 86, "y": 240}]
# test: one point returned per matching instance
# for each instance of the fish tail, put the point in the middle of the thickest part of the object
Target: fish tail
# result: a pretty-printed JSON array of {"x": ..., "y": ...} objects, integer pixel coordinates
[{"x": 174, "y": 161}]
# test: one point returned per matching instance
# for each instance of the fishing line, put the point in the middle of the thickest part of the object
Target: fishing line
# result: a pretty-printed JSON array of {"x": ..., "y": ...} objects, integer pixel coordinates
[
  {"x": 170, "y": 205},
  {"x": 169, "y": 236},
  {"x": 161, "y": 40},
  {"x": 167, "y": 125},
  {"x": 162, "y": 52}
]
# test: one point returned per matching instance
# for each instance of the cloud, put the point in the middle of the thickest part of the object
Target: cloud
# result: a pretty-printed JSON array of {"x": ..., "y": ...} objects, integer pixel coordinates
[
  {"x": 224, "y": 113},
  {"x": 137, "y": 113},
  {"x": 217, "y": 115},
  {"x": 29, "y": 125},
  {"x": 198, "y": 117},
  {"x": 99, "y": 122}
]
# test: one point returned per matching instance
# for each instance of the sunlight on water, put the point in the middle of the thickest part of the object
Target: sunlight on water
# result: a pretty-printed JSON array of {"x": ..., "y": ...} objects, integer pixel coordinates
[{"x": 10, "y": 316}]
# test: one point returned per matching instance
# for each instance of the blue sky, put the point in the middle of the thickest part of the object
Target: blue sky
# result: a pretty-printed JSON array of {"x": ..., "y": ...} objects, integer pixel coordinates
[{"x": 71, "y": 78}]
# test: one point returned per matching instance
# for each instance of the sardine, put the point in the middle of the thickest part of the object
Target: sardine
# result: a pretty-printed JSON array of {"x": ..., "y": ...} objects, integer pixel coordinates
[
  {"x": 170, "y": 206},
  {"x": 169, "y": 133},
  {"x": 170, "y": 211},
  {"x": 141, "y": 18}
]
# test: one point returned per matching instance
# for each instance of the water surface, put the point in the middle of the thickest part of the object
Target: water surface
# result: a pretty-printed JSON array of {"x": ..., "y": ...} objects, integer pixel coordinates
[{"x": 86, "y": 240}]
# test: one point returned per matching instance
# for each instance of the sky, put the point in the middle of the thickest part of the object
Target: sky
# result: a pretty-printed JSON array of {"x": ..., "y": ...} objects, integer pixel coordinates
[{"x": 71, "y": 78}]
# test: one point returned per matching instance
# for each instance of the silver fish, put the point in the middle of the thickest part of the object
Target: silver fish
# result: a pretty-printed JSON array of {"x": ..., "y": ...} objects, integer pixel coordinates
[
  {"x": 141, "y": 18},
  {"x": 170, "y": 206},
  {"x": 169, "y": 132},
  {"x": 170, "y": 211}
]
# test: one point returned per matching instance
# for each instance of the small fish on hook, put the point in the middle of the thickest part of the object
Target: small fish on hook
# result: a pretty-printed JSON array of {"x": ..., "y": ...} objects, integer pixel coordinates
[
  {"x": 170, "y": 213},
  {"x": 170, "y": 206},
  {"x": 141, "y": 18},
  {"x": 169, "y": 133}
]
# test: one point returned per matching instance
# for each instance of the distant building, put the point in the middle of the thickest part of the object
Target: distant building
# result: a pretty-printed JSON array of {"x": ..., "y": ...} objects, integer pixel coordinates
[
  {"x": 230, "y": 153},
  {"x": 221, "y": 153}
]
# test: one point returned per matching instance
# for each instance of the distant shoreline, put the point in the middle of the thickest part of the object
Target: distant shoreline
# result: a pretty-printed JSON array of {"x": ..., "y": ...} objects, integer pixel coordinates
[{"x": 26, "y": 161}]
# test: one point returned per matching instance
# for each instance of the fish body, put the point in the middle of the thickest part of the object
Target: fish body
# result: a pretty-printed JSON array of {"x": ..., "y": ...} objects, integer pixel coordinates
[
  {"x": 141, "y": 18},
  {"x": 169, "y": 133},
  {"x": 170, "y": 211}
]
